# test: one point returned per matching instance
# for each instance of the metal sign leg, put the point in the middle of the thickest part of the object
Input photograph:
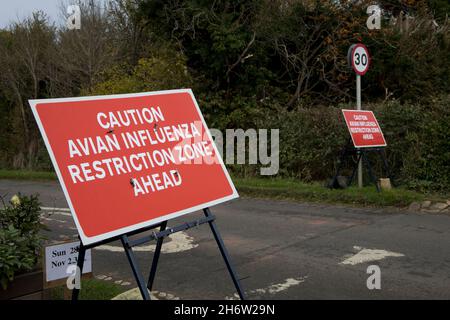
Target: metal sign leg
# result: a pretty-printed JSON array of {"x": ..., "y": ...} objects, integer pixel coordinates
[
  {"x": 134, "y": 266},
  {"x": 386, "y": 165},
  {"x": 358, "y": 157},
  {"x": 341, "y": 159},
  {"x": 369, "y": 169},
  {"x": 151, "y": 277},
  {"x": 225, "y": 255},
  {"x": 163, "y": 232},
  {"x": 80, "y": 264}
]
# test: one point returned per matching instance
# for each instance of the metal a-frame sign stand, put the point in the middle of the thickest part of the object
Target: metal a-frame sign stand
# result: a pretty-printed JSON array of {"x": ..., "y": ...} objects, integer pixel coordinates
[
  {"x": 159, "y": 236},
  {"x": 361, "y": 156}
]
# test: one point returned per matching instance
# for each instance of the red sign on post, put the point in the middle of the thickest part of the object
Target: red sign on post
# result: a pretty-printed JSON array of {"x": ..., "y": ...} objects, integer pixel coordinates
[
  {"x": 130, "y": 161},
  {"x": 364, "y": 129}
]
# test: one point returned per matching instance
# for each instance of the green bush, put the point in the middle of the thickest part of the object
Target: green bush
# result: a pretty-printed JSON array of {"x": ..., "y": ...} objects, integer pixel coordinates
[
  {"x": 20, "y": 239},
  {"x": 164, "y": 69},
  {"x": 309, "y": 141},
  {"x": 418, "y": 142}
]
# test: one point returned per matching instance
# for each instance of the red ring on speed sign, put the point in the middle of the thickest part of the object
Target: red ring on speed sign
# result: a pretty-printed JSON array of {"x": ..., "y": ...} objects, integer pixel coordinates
[{"x": 360, "y": 59}]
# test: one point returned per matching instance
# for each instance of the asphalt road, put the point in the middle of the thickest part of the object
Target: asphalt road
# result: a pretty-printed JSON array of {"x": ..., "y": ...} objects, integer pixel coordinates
[{"x": 281, "y": 250}]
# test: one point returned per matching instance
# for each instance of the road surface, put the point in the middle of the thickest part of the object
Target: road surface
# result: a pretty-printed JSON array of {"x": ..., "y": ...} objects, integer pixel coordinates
[{"x": 281, "y": 250}]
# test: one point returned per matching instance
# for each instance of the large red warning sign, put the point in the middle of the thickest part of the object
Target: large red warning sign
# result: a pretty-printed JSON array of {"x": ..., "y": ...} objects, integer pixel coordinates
[
  {"x": 364, "y": 128},
  {"x": 130, "y": 161}
]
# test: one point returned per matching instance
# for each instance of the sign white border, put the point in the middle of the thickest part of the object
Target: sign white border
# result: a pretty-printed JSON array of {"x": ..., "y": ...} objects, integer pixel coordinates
[
  {"x": 369, "y": 59},
  {"x": 381, "y": 131},
  {"x": 90, "y": 240}
]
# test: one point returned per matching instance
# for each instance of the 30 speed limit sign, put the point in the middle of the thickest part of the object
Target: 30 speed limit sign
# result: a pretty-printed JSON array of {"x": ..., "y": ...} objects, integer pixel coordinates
[{"x": 359, "y": 58}]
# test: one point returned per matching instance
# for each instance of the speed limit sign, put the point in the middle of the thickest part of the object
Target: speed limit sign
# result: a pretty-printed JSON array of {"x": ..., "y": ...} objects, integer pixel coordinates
[{"x": 359, "y": 58}]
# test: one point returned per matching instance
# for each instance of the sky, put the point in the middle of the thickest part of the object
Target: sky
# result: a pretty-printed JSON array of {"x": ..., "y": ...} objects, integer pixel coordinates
[{"x": 13, "y": 10}]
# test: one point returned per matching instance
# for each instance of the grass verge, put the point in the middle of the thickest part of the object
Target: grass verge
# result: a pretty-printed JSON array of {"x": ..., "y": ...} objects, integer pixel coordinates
[
  {"x": 91, "y": 289},
  {"x": 289, "y": 189},
  {"x": 27, "y": 175}
]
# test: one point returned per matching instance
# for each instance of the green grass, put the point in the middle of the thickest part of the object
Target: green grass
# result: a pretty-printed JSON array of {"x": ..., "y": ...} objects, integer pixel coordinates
[
  {"x": 91, "y": 289},
  {"x": 27, "y": 175},
  {"x": 314, "y": 192}
]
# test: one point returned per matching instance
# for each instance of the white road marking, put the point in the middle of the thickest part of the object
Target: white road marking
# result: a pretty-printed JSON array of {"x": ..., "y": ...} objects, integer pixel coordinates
[
  {"x": 274, "y": 288},
  {"x": 135, "y": 294},
  {"x": 56, "y": 211},
  {"x": 279, "y": 287},
  {"x": 109, "y": 278},
  {"x": 51, "y": 219},
  {"x": 62, "y": 211},
  {"x": 368, "y": 255},
  {"x": 170, "y": 296},
  {"x": 180, "y": 242}
]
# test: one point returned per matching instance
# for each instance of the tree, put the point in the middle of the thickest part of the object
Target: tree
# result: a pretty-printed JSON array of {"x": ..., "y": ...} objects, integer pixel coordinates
[
  {"x": 26, "y": 51},
  {"x": 83, "y": 54},
  {"x": 217, "y": 37},
  {"x": 164, "y": 69}
]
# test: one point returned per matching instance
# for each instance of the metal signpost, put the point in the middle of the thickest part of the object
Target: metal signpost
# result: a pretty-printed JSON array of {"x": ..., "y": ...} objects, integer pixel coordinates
[{"x": 359, "y": 60}]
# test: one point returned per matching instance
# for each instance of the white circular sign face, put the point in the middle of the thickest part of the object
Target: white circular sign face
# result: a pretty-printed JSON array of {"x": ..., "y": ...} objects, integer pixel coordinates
[{"x": 360, "y": 59}]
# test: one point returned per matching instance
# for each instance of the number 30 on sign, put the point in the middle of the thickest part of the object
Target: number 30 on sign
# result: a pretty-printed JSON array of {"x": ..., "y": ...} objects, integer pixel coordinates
[{"x": 359, "y": 58}]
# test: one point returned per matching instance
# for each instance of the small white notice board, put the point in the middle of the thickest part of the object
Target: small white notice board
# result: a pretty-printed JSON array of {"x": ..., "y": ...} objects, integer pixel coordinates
[{"x": 60, "y": 256}]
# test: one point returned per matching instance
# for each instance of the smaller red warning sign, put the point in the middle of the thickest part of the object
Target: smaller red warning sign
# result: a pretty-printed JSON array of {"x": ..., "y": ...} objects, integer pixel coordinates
[{"x": 364, "y": 129}]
